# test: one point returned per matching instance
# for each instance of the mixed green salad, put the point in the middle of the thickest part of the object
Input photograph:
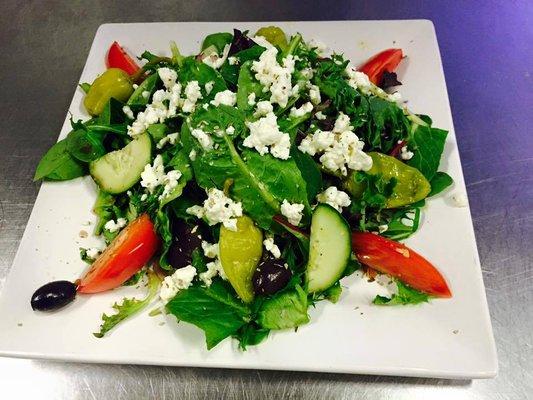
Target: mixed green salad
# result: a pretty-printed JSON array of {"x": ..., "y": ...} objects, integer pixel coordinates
[{"x": 242, "y": 183}]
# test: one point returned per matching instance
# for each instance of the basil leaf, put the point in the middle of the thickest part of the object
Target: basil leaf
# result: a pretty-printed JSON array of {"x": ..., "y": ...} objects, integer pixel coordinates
[
  {"x": 284, "y": 310},
  {"x": 59, "y": 165},
  {"x": 440, "y": 182},
  {"x": 214, "y": 309}
]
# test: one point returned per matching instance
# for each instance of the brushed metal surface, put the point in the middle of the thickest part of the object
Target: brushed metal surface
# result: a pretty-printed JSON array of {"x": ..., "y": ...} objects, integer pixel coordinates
[{"x": 487, "y": 56}]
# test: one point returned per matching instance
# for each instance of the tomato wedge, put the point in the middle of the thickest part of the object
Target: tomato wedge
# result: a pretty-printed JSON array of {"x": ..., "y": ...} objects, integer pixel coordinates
[
  {"x": 387, "y": 60},
  {"x": 395, "y": 259},
  {"x": 118, "y": 58},
  {"x": 126, "y": 255}
]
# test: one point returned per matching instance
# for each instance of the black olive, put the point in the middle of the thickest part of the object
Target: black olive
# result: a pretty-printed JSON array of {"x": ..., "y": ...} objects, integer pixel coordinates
[
  {"x": 186, "y": 239},
  {"x": 53, "y": 295},
  {"x": 271, "y": 276}
]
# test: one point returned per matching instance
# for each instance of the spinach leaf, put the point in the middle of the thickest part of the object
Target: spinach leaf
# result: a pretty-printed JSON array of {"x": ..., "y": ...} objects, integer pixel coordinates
[
  {"x": 427, "y": 144},
  {"x": 59, "y": 165},
  {"x": 157, "y": 131},
  {"x": 137, "y": 99},
  {"x": 285, "y": 310},
  {"x": 439, "y": 182},
  {"x": 104, "y": 208},
  {"x": 219, "y": 40},
  {"x": 111, "y": 114},
  {"x": 215, "y": 310},
  {"x": 193, "y": 70},
  {"x": 129, "y": 307},
  {"x": 405, "y": 295},
  {"x": 251, "y": 335},
  {"x": 247, "y": 85},
  {"x": 86, "y": 145},
  {"x": 310, "y": 173}
]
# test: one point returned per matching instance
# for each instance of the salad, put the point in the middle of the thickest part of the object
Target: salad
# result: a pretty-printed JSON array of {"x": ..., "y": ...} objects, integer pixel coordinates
[{"x": 238, "y": 186}]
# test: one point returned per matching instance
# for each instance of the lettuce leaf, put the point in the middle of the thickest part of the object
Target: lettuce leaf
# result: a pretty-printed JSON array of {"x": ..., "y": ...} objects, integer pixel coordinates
[{"x": 406, "y": 295}]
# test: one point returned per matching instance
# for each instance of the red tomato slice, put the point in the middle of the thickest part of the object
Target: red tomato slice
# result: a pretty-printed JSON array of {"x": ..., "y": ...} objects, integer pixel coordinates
[
  {"x": 118, "y": 58},
  {"x": 126, "y": 255},
  {"x": 387, "y": 60},
  {"x": 395, "y": 259}
]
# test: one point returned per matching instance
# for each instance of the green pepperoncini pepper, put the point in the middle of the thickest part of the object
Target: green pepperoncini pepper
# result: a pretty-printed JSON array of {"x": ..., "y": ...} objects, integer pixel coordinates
[{"x": 112, "y": 83}]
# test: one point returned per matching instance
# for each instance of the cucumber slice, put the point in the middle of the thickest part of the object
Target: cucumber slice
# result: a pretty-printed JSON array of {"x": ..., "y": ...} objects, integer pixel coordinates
[
  {"x": 329, "y": 248},
  {"x": 119, "y": 170}
]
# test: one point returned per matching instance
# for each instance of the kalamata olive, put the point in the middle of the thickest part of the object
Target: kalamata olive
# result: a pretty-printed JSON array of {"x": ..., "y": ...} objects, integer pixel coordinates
[
  {"x": 53, "y": 296},
  {"x": 271, "y": 276},
  {"x": 186, "y": 239}
]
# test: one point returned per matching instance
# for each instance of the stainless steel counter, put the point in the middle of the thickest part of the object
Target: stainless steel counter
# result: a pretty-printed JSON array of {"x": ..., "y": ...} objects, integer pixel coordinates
[{"x": 487, "y": 55}]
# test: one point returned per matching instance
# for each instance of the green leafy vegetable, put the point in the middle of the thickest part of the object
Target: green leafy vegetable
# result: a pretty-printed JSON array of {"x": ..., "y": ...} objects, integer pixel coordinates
[
  {"x": 85, "y": 87},
  {"x": 405, "y": 295},
  {"x": 85, "y": 145},
  {"x": 129, "y": 307},
  {"x": 216, "y": 310},
  {"x": 138, "y": 98},
  {"x": 284, "y": 310},
  {"x": 427, "y": 144},
  {"x": 247, "y": 85},
  {"x": 440, "y": 182},
  {"x": 218, "y": 40},
  {"x": 59, "y": 165}
]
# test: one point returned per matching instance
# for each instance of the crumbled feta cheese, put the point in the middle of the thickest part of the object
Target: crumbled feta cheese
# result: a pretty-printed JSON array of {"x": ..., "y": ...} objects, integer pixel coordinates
[
  {"x": 274, "y": 77},
  {"x": 218, "y": 208},
  {"x": 265, "y": 132},
  {"x": 301, "y": 111},
  {"x": 314, "y": 94},
  {"x": 383, "y": 228},
  {"x": 405, "y": 153},
  {"x": 205, "y": 140},
  {"x": 335, "y": 198},
  {"x": 210, "y": 249},
  {"x": 459, "y": 200},
  {"x": 145, "y": 94},
  {"x": 144, "y": 196},
  {"x": 170, "y": 180},
  {"x": 341, "y": 148},
  {"x": 209, "y": 86},
  {"x": 307, "y": 73},
  {"x": 168, "y": 76},
  {"x": 113, "y": 226},
  {"x": 153, "y": 175},
  {"x": 272, "y": 247},
  {"x": 214, "y": 60},
  {"x": 127, "y": 110},
  {"x": 293, "y": 212},
  {"x": 233, "y": 60},
  {"x": 226, "y": 97},
  {"x": 358, "y": 80},
  {"x": 395, "y": 97},
  {"x": 93, "y": 252},
  {"x": 192, "y": 155},
  {"x": 261, "y": 41},
  {"x": 192, "y": 94},
  {"x": 320, "y": 48},
  {"x": 134, "y": 86},
  {"x": 214, "y": 268},
  {"x": 320, "y": 116},
  {"x": 251, "y": 99},
  {"x": 179, "y": 280},
  {"x": 170, "y": 138},
  {"x": 263, "y": 108}
]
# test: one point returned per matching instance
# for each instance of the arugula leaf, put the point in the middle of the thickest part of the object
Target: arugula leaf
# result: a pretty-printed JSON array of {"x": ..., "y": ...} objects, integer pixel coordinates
[
  {"x": 406, "y": 295},
  {"x": 162, "y": 226},
  {"x": 59, "y": 165},
  {"x": 285, "y": 310},
  {"x": 104, "y": 210},
  {"x": 129, "y": 307},
  {"x": 137, "y": 99},
  {"x": 135, "y": 278},
  {"x": 84, "y": 257},
  {"x": 193, "y": 70},
  {"x": 214, "y": 309},
  {"x": 219, "y": 40},
  {"x": 157, "y": 131},
  {"x": 247, "y": 84},
  {"x": 439, "y": 182},
  {"x": 427, "y": 144}
]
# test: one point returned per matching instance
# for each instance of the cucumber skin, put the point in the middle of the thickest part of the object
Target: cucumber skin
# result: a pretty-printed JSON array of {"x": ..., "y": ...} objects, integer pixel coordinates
[
  {"x": 340, "y": 222},
  {"x": 124, "y": 186}
]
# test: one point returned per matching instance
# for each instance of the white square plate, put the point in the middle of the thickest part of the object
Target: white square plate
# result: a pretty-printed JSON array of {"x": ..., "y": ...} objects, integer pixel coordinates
[{"x": 446, "y": 338}]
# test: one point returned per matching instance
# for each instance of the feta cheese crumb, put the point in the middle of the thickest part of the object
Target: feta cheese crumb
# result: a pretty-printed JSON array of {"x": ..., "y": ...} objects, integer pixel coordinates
[
  {"x": 145, "y": 94},
  {"x": 168, "y": 76},
  {"x": 335, "y": 198},
  {"x": 358, "y": 80},
  {"x": 341, "y": 148},
  {"x": 170, "y": 180},
  {"x": 272, "y": 247},
  {"x": 320, "y": 48},
  {"x": 251, "y": 99},
  {"x": 93, "y": 252},
  {"x": 301, "y": 111},
  {"x": 274, "y": 77},
  {"x": 205, "y": 140},
  {"x": 214, "y": 268},
  {"x": 210, "y": 249},
  {"x": 170, "y": 138},
  {"x": 144, "y": 196},
  {"x": 218, "y": 208},
  {"x": 264, "y": 133},
  {"x": 314, "y": 94},
  {"x": 209, "y": 86},
  {"x": 127, "y": 110},
  {"x": 405, "y": 154},
  {"x": 214, "y": 60},
  {"x": 233, "y": 60},
  {"x": 459, "y": 200},
  {"x": 192, "y": 94},
  {"x": 192, "y": 155},
  {"x": 179, "y": 280},
  {"x": 226, "y": 97},
  {"x": 320, "y": 116},
  {"x": 113, "y": 226},
  {"x": 293, "y": 212},
  {"x": 383, "y": 228},
  {"x": 261, "y": 41},
  {"x": 152, "y": 175},
  {"x": 395, "y": 97},
  {"x": 263, "y": 108}
]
